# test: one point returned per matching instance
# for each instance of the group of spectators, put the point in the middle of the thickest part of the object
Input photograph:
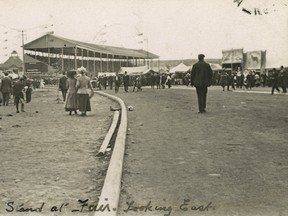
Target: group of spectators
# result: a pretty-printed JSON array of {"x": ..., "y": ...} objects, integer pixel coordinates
[
  {"x": 227, "y": 79},
  {"x": 249, "y": 79},
  {"x": 19, "y": 89},
  {"x": 155, "y": 80}
]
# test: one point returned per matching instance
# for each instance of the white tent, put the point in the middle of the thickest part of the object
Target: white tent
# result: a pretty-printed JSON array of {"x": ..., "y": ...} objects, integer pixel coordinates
[
  {"x": 181, "y": 68},
  {"x": 133, "y": 70}
]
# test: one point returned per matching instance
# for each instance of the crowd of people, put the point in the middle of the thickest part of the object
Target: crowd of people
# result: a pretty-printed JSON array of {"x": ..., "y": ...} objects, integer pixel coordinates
[
  {"x": 18, "y": 89},
  {"x": 227, "y": 79},
  {"x": 250, "y": 79},
  {"x": 77, "y": 87},
  {"x": 155, "y": 80}
]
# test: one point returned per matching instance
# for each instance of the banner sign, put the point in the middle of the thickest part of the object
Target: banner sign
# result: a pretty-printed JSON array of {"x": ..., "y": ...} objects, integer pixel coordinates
[
  {"x": 232, "y": 56},
  {"x": 254, "y": 60}
]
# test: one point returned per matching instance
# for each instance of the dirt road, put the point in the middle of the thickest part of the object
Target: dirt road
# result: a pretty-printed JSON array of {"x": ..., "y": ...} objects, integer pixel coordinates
[
  {"x": 231, "y": 160},
  {"x": 49, "y": 157}
]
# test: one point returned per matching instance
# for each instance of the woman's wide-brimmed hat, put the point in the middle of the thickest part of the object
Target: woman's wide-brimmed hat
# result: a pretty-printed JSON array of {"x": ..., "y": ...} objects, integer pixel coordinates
[
  {"x": 82, "y": 70},
  {"x": 71, "y": 73}
]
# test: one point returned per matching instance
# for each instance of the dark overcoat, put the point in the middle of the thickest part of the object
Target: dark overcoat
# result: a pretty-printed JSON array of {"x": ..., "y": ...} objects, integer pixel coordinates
[
  {"x": 6, "y": 85},
  {"x": 62, "y": 83},
  {"x": 201, "y": 74}
]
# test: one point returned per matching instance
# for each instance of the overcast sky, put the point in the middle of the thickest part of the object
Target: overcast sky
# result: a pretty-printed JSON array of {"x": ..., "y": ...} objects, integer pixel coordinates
[{"x": 174, "y": 29}]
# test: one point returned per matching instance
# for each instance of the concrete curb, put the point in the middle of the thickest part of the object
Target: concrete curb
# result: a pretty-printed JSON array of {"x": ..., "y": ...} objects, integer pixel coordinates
[
  {"x": 109, "y": 135},
  {"x": 110, "y": 194}
]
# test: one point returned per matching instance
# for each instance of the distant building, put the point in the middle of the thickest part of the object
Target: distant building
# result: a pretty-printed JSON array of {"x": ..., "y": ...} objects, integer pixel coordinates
[{"x": 13, "y": 64}]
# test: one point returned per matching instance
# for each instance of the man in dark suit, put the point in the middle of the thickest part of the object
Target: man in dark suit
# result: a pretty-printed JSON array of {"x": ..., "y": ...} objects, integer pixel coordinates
[
  {"x": 201, "y": 76},
  {"x": 62, "y": 85},
  {"x": 117, "y": 82},
  {"x": 126, "y": 81},
  {"x": 6, "y": 89}
]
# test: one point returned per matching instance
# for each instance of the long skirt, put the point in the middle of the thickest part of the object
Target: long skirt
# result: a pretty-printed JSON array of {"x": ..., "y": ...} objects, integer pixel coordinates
[
  {"x": 71, "y": 101},
  {"x": 83, "y": 102}
]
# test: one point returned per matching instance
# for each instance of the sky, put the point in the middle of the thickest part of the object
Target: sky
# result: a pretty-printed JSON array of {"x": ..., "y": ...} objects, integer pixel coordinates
[{"x": 172, "y": 29}]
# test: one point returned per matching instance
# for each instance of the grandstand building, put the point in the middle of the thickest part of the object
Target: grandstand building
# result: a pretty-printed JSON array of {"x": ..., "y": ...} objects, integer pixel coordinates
[{"x": 58, "y": 54}]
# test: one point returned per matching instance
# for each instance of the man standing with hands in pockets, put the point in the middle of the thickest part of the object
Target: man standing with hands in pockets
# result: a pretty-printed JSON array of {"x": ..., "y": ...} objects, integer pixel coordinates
[{"x": 201, "y": 78}]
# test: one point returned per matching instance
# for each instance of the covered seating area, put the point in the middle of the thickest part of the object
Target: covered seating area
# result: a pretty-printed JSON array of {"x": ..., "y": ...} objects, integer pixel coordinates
[{"x": 64, "y": 54}]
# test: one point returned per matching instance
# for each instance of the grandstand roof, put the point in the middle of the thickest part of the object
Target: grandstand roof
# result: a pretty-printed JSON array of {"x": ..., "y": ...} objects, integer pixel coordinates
[{"x": 55, "y": 43}]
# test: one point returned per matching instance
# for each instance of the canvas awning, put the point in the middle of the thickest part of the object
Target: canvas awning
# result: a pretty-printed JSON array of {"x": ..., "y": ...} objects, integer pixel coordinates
[
  {"x": 106, "y": 74},
  {"x": 133, "y": 70}
]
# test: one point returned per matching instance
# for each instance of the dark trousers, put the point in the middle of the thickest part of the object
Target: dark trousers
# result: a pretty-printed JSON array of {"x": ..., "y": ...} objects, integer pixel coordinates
[
  {"x": 284, "y": 85},
  {"x": 202, "y": 95},
  {"x": 126, "y": 87},
  {"x": 116, "y": 87},
  {"x": 6, "y": 97},
  {"x": 19, "y": 98},
  {"x": 28, "y": 96},
  {"x": 64, "y": 92},
  {"x": 275, "y": 86}
]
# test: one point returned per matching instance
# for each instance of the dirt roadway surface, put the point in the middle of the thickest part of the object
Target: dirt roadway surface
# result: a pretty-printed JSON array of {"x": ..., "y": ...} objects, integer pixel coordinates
[
  {"x": 48, "y": 156},
  {"x": 234, "y": 156}
]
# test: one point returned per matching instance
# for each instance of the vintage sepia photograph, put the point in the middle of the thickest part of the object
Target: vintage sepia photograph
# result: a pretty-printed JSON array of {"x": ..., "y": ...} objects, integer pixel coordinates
[{"x": 143, "y": 107}]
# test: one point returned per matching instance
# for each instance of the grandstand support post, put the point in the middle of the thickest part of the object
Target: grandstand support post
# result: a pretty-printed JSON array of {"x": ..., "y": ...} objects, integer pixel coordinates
[
  {"x": 75, "y": 57},
  {"x": 94, "y": 64},
  {"x": 127, "y": 61},
  {"x": 62, "y": 58},
  {"x": 82, "y": 57},
  {"x": 101, "y": 64},
  {"x": 87, "y": 61},
  {"x": 107, "y": 65},
  {"x": 113, "y": 63}
]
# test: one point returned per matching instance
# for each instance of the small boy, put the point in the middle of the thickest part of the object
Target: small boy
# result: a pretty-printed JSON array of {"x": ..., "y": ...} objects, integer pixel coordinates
[{"x": 18, "y": 94}]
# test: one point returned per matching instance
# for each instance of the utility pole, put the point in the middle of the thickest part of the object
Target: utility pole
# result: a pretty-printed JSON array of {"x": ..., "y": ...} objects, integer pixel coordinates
[
  {"x": 147, "y": 53},
  {"x": 23, "y": 62}
]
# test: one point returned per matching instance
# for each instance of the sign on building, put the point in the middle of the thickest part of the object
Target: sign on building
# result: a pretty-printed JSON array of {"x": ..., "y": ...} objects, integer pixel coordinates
[
  {"x": 255, "y": 60},
  {"x": 232, "y": 56}
]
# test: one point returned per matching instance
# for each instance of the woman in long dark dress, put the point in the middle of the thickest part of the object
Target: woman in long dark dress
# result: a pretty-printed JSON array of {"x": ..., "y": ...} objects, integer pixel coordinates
[
  {"x": 83, "y": 85},
  {"x": 71, "y": 97}
]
